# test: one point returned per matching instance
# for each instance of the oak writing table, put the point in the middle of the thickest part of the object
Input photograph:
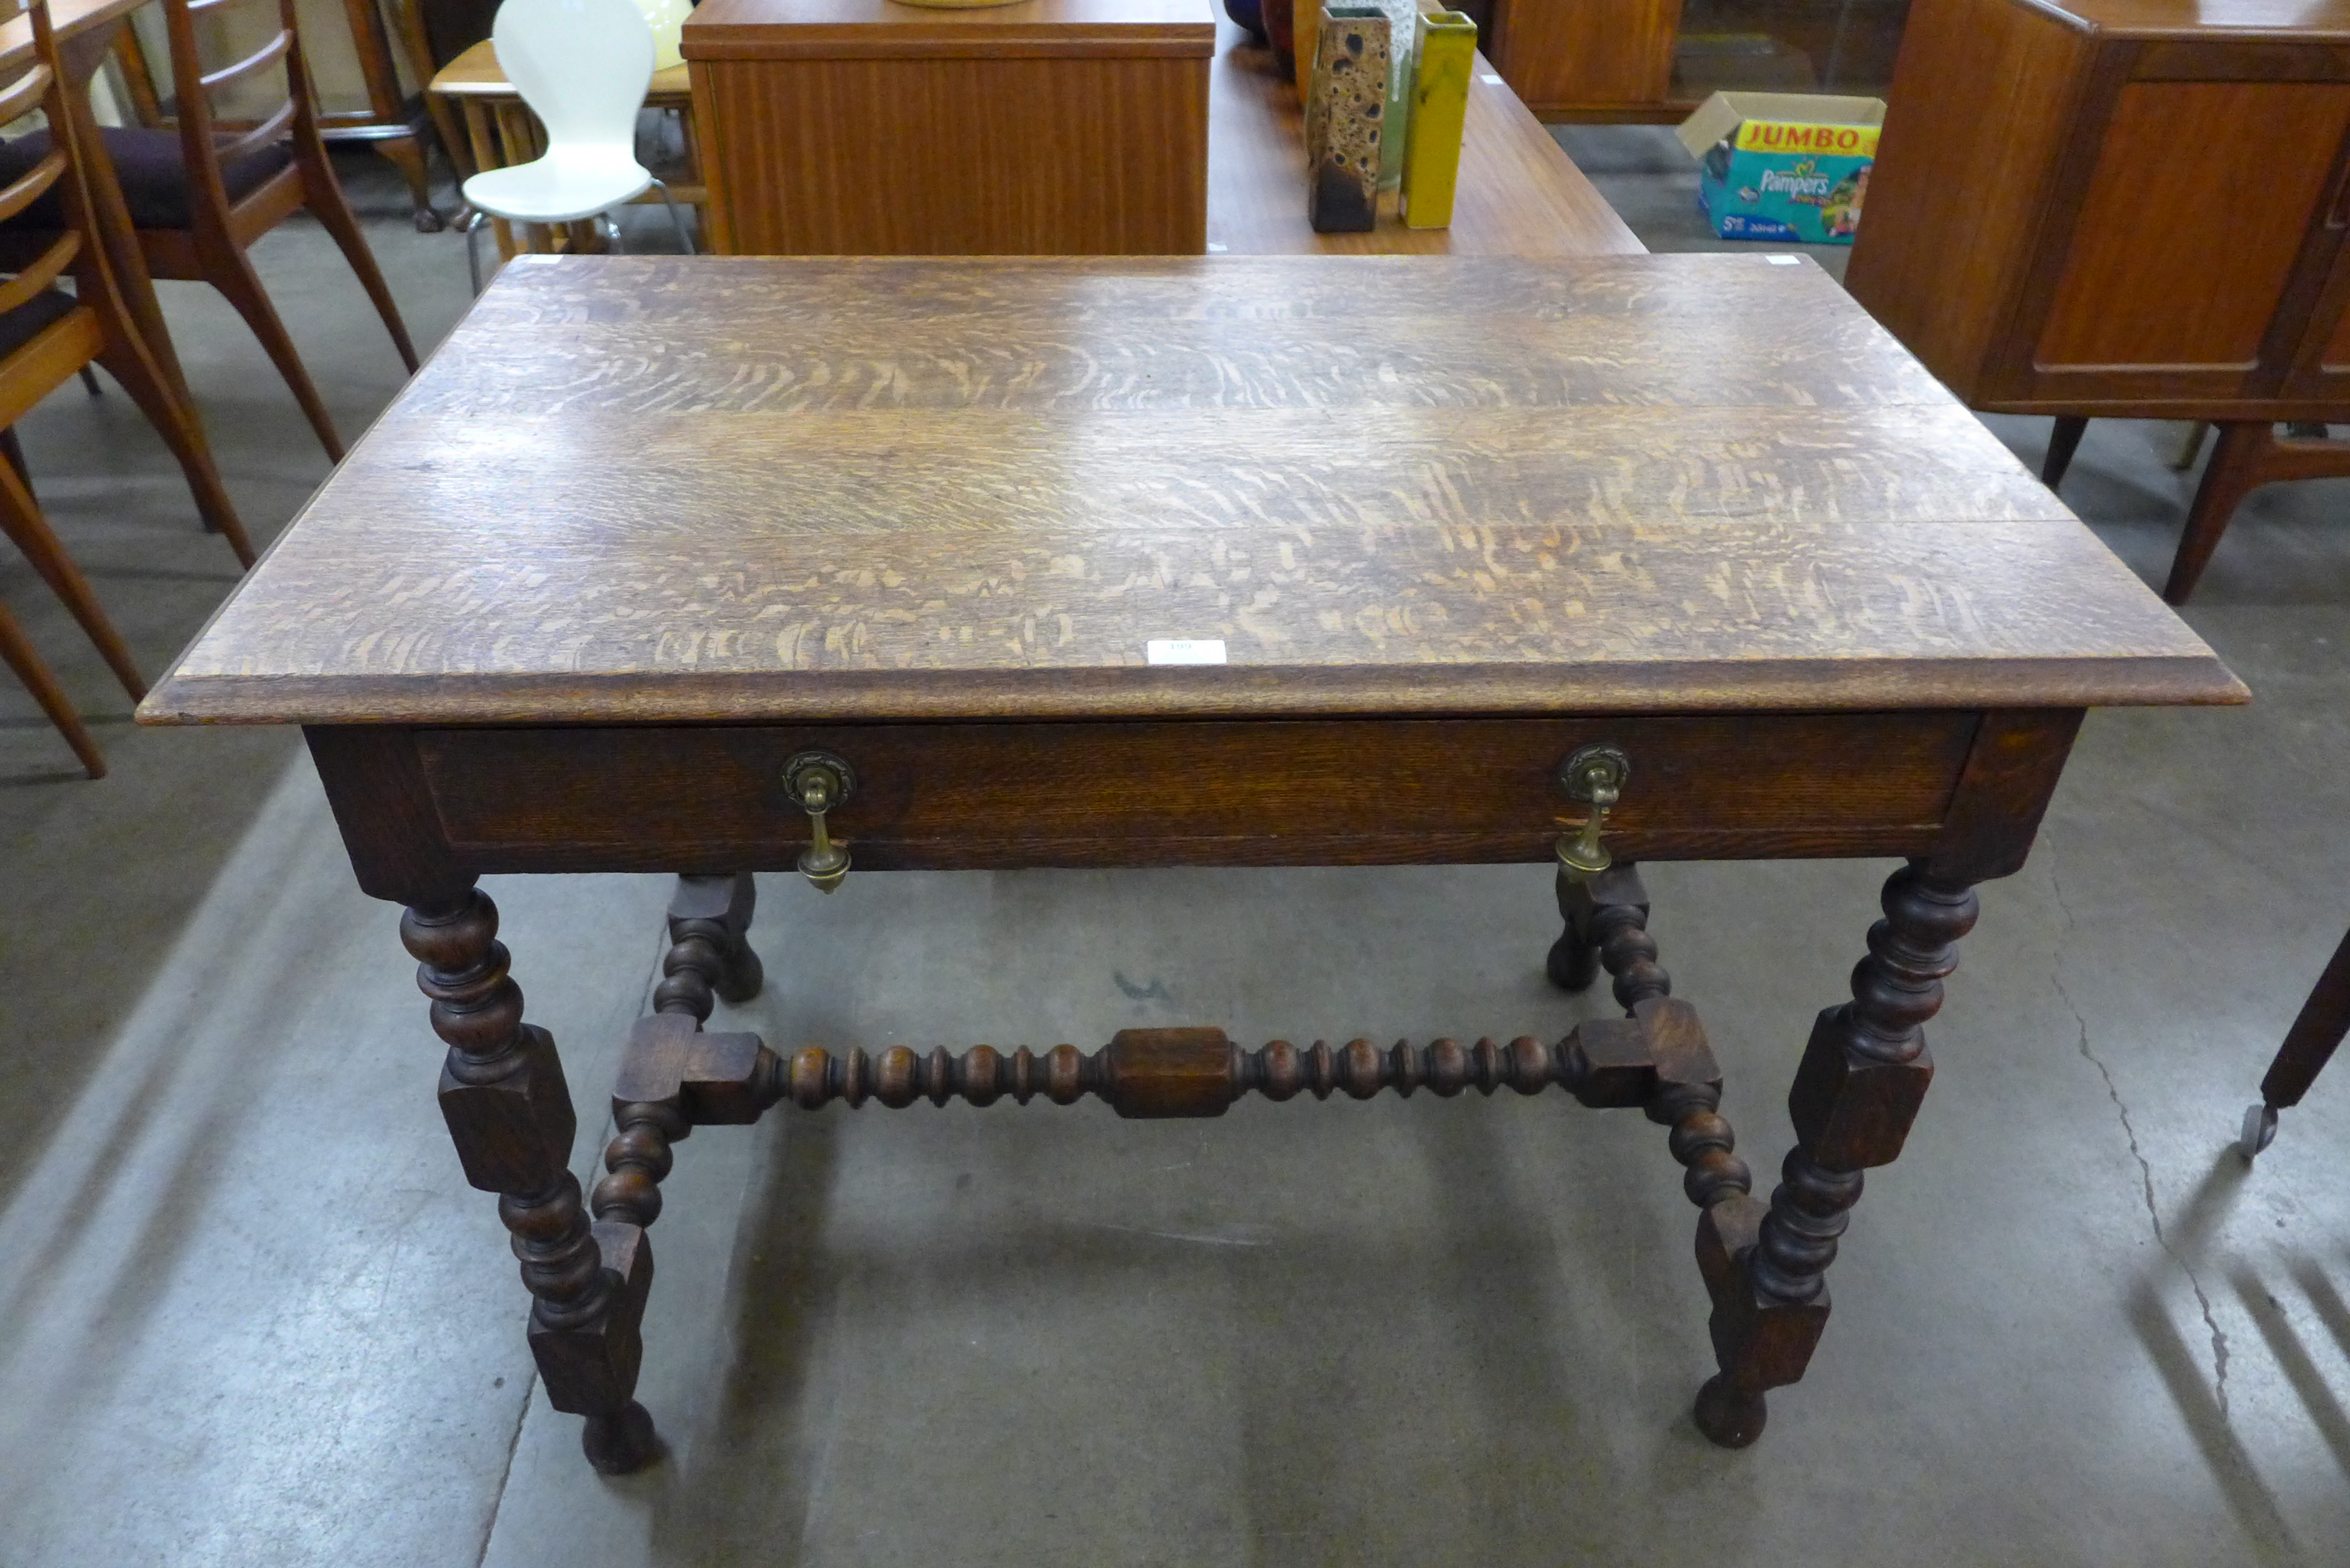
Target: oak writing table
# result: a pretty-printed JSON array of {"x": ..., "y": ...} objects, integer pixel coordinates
[{"x": 788, "y": 553}]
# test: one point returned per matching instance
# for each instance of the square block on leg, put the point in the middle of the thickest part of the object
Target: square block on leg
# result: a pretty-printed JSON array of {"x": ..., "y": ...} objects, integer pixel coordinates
[
  {"x": 591, "y": 1370},
  {"x": 1763, "y": 1343},
  {"x": 1851, "y": 1112},
  {"x": 514, "y": 1133}
]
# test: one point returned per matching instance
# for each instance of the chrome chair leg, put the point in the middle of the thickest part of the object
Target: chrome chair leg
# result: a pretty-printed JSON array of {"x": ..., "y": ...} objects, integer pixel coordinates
[
  {"x": 474, "y": 251},
  {"x": 676, "y": 218}
]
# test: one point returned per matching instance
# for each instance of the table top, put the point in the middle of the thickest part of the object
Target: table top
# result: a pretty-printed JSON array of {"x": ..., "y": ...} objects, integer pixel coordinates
[
  {"x": 68, "y": 17},
  {"x": 837, "y": 29},
  {"x": 2299, "y": 19},
  {"x": 1518, "y": 194},
  {"x": 475, "y": 73},
  {"x": 744, "y": 489}
]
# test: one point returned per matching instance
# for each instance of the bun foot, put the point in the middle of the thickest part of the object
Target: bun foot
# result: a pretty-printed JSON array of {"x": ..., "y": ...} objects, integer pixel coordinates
[
  {"x": 621, "y": 1443},
  {"x": 1727, "y": 1416},
  {"x": 1573, "y": 964},
  {"x": 745, "y": 977}
]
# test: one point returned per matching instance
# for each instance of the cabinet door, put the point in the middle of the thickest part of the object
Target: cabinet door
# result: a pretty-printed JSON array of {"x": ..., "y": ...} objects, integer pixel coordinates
[
  {"x": 2162, "y": 282},
  {"x": 2321, "y": 369}
]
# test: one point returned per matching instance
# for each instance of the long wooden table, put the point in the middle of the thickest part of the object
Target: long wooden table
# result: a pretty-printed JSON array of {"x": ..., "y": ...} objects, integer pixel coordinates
[
  {"x": 1580, "y": 561},
  {"x": 1519, "y": 194}
]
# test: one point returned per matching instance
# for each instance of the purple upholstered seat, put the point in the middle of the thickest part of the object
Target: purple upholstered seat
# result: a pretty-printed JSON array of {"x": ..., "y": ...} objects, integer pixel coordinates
[{"x": 153, "y": 174}]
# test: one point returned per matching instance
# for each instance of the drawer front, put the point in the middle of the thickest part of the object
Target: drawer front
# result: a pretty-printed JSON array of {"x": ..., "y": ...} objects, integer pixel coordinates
[{"x": 1354, "y": 792}]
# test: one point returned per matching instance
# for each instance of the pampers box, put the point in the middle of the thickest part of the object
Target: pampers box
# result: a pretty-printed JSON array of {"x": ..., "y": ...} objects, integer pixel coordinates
[{"x": 1784, "y": 166}]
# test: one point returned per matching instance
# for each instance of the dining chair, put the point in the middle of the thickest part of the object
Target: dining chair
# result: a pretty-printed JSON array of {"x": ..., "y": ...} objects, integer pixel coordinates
[
  {"x": 583, "y": 66},
  {"x": 46, "y": 335},
  {"x": 200, "y": 195}
]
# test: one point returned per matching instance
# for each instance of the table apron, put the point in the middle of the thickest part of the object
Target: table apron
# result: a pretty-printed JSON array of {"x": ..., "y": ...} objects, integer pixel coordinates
[{"x": 1370, "y": 791}]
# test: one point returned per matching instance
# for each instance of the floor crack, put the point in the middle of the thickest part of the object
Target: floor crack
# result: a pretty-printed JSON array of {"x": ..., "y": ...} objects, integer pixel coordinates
[
  {"x": 513, "y": 1447},
  {"x": 2145, "y": 1167}
]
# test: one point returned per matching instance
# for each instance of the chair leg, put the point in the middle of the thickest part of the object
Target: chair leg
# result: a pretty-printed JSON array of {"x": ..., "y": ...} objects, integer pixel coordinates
[
  {"x": 473, "y": 253},
  {"x": 2235, "y": 472},
  {"x": 176, "y": 423},
  {"x": 89, "y": 379},
  {"x": 238, "y": 282},
  {"x": 2063, "y": 442},
  {"x": 676, "y": 218},
  {"x": 22, "y": 521},
  {"x": 406, "y": 153},
  {"x": 17, "y": 652},
  {"x": 325, "y": 197},
  {"x": 13, "y": 451}
]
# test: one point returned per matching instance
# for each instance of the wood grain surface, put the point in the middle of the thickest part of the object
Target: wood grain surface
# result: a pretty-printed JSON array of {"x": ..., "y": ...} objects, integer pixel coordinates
[
  {"x": 865, "y": 128},
  {"x": 1567, "y": 55},
  {"x": 646, "y": 488},
  {"x": 866, "y": 29},
  {"x": 1518, "y": 193},
  {"x": 1351, "y": 792}
]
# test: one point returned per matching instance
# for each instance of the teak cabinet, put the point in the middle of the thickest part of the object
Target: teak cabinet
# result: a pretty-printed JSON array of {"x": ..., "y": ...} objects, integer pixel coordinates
[
  {"x": 1599, "y": 59},
  {"x": 2131, "y": 208},
  {"x": 2124, "y": 207},
  {"x": 864, "y": 127}
]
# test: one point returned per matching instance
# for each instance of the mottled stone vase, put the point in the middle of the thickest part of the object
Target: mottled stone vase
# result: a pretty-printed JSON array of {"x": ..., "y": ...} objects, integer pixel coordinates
[{"x": 1346, "y": 120}]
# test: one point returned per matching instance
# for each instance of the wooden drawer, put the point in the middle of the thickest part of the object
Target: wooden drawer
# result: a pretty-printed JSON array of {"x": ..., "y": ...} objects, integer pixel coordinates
[{"x": 1350, "y": 792}]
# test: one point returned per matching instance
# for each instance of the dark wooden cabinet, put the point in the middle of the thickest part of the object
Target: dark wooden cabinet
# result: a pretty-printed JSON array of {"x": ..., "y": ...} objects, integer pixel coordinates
[{"x": 2134, "y": 208}]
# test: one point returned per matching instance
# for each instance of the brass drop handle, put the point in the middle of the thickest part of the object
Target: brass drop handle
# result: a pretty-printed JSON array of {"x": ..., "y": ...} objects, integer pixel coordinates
[
  {"x": 1594, "y": 773},
  {"x": 818, "y": 782}
]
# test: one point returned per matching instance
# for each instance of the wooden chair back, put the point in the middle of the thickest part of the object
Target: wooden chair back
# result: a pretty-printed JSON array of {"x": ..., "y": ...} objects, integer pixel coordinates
[
  {"x": 194, "y": 89},
  {"x": 42, "y": 86}
]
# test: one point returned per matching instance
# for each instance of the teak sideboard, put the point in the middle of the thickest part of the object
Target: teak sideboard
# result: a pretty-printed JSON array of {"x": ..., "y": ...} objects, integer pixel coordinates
[
  {"x": 2128, "y": 208},
  {"x": 865, "y": 128}
]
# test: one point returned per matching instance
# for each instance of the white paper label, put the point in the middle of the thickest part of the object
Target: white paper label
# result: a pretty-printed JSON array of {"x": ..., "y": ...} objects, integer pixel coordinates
[
  {"x": 1184, "y": 650},
  {"x": 1781, "y": 261},
  {"x": 1214, "y": 249},
  {"x": 1490, "y": 79}
]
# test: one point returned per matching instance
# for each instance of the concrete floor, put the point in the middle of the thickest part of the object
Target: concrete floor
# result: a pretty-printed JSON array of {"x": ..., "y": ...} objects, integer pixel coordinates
[{"x": 254, "y": 1316}]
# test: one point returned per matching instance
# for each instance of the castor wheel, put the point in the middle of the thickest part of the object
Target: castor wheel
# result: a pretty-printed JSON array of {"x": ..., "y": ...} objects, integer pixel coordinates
[{"x": 2258, "y": 1131}]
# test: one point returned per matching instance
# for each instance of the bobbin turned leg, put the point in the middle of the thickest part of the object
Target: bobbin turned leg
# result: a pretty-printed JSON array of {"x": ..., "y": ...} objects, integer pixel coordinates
[
  {"x": 1863, "y": 1076},
  {"x": 710, "y": 949},
  {"x": 510, "y": 1114},
  {"x": 1611, "y": 905}
]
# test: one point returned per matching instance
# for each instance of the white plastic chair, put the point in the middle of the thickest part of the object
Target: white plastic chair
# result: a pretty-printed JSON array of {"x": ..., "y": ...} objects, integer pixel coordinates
[{"x": 583, "y": 66}]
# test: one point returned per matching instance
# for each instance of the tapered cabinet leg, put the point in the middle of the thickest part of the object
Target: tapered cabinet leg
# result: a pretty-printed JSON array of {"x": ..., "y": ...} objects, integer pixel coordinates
[
  {"x": 510, "y": 1114},
  {"x": 2237, "y": 469},
  {"x": 1863, "y": 1076},
  {"x": 2063, "y": 441}
]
